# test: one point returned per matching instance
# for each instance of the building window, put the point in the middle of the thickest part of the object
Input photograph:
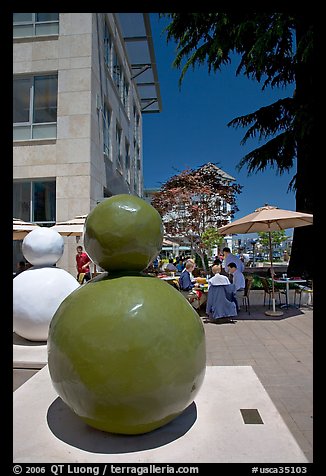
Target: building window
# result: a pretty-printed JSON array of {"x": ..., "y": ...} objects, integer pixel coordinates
[
  {"x": 125, "y": 93},
  {"x": 35, "y": 24},
  {"x": 34, "y": 201},
  {"x": 35, "y": 107},
  {"x": 107, "y": 48},
  {"x": 106, "y": 131},
  {"x": 127, "y": 161},
  {"x": 116, "y": 70},
  {"x": 136, "y": 124},
  {"x": 126, "y": 90},
  {"x": 118, "y": 144},
  {"x": 136, "y": 167}
]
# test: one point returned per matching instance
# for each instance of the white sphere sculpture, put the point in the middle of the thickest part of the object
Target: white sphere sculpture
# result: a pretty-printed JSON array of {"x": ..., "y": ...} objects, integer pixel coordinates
[
  {"x": 39, "y": 291},
  {"x": 43, "y": 247},
  {"x": 37, "y": 294}
]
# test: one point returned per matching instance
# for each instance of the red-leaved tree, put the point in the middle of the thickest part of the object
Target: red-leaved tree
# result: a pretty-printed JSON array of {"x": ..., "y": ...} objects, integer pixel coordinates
[{"x": 195, "y": 200}]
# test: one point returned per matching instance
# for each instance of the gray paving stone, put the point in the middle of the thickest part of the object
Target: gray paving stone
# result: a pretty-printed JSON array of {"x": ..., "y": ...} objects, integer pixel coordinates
[{"x": 273, "y": 347}]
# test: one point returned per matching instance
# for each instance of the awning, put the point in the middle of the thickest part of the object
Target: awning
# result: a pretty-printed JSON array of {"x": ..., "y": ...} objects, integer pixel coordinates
[{"x": 137, "y": 34}]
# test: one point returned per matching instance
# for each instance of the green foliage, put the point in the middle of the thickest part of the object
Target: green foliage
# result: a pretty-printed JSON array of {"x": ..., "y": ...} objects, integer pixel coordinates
[
  {"x": 256, "y": 282},
  {"x": 210, "y": 238},
  {"x": 277, "y": 238}
]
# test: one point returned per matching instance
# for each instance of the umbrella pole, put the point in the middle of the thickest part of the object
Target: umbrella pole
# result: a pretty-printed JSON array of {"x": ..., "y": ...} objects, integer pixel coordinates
[{"x": 273, "y": 312}]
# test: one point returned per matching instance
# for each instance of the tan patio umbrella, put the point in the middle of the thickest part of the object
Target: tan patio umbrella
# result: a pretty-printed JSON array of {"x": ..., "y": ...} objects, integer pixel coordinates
[
  {"x": 21, "y": 228},
  {"x": 268, "y": 219},
  {"x": 73, "y": 227}
]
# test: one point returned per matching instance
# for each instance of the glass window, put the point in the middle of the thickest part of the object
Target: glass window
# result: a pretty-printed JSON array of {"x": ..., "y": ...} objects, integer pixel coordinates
[
  {"x": 22, "y": 200},
  {"x": 136, "y": 124},
  {"x": 47, "y": 17},
  {"x": 45, "y": 98},
  {"x": 35, "y": 107},
  {"x": 43, "y": 200},
  {"x": 106, "y": 130},
  {"x": 34, "y": 201},
  {"x": 21, "y": 99},
  {"x": 22, "y": 17},
  {"x": 107, "y": 47},
  {"x": 35, "y": 24},
  {"x": 118, "y": 144},
  {"x": 127, "y": 161},
  {"x": 125, "y": 95},
  {"x": 116, "y": 70}
]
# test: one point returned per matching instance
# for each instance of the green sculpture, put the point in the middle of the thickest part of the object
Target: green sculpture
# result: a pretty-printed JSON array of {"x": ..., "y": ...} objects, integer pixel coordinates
[{"x": 126, "y": 352}]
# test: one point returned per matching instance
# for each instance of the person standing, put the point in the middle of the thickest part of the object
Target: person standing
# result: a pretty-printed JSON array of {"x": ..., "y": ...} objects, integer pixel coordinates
[
  {"x": 230, "y": 258},
  {"x": 82, "y": 264}
]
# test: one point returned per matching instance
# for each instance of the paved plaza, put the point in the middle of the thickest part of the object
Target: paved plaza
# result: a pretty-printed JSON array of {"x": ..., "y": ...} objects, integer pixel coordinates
[{"x": 280, "y": 351}]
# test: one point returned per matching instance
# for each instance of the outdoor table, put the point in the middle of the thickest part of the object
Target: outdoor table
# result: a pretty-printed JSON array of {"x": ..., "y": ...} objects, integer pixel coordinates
[
  {"x": 203, "y": 287},
  {"x": 287, "y": 282}
]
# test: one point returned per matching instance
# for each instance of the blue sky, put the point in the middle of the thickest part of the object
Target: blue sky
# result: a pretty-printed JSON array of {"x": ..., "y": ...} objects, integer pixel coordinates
[{"x": 192, "y": 128}]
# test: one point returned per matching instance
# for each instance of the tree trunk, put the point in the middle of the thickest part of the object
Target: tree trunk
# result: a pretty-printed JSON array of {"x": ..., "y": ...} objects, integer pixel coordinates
[
  {"x": 300, "y": 264},
  {"x": 202, "y": 257}
]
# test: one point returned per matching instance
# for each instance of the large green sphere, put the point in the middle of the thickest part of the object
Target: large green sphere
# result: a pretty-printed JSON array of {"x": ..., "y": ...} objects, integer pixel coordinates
[
  {"x": 123, "y": 233},
  {"x": 126, "y": 354}
]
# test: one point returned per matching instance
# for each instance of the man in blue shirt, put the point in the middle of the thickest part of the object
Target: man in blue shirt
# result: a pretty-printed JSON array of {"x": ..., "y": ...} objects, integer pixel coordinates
[
  {"x": 230, "y": 258},
  {"x": 238, "y": 281},
  {"x": 187, "y": 283}
]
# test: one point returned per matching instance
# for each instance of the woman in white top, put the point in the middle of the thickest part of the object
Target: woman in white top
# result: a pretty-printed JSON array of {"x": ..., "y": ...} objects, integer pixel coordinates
[{"x": 218, "y": 279}]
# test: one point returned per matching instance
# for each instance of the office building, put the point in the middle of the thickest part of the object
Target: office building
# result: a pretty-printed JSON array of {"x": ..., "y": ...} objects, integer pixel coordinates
[{"x": 81, "y": 83}]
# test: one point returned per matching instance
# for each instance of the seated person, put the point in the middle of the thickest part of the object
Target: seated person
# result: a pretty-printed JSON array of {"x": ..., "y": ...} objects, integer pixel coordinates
[
  {"x": 221, "y": 302},
  {"x": 218, "y": 279},
  {"x": 180, "y": 266},
  {"x": 187, "y": 284},
  {"x": 186, "y": 280},
  {"x": 170, "y": 266},
  {"x": 239, "y": 283}
]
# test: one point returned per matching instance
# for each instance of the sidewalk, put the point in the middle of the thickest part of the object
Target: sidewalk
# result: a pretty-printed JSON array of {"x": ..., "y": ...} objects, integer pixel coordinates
[{"x": 279, "y": 349}]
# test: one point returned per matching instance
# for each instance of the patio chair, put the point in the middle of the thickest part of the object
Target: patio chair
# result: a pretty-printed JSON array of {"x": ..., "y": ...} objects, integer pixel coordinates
[
  {"x": 304, "y": 289},
  {"x": 245, "y": 298},
  {"x": 268, "y": 291}
]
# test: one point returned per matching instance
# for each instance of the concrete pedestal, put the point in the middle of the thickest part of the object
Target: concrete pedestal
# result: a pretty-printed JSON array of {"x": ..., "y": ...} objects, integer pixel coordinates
[
  {"x": 28, "y": 358},
  {"x": 232, "y": 420}
]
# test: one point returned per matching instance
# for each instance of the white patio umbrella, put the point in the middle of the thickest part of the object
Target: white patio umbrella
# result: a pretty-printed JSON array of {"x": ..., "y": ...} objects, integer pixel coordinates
[
  {"x": 21, "y": 228},
  {"x": 268, "y": 219},
  {"x": 73, "y": 227}
]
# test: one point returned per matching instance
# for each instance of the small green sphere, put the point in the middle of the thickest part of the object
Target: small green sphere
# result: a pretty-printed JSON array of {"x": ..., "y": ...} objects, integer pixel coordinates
[{"x": 123, "y": 233}]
